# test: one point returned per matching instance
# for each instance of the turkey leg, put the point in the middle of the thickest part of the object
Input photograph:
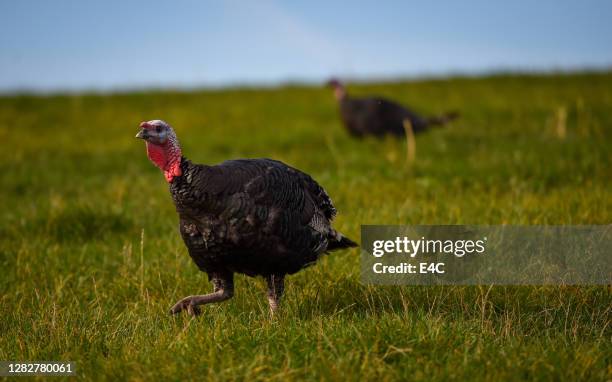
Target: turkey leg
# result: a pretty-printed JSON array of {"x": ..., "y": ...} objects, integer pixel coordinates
[
  {"x": 276, "y": 286},
  {"x": 223, "y": 290}
]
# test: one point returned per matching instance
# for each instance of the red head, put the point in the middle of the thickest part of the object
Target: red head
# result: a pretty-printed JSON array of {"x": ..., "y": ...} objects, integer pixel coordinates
[
  {"x": 162, "y": 147},
  {"x": 339, "y": 91}
]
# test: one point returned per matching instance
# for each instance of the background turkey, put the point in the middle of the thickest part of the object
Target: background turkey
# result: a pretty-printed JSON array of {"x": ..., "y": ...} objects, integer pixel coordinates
[
  {"x": 258, "y": 217},
  {"x": 378, "y": 116}
]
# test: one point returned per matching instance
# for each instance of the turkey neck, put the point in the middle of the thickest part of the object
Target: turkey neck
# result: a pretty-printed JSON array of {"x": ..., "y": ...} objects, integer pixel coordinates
[{"x": 340, "y": 93}]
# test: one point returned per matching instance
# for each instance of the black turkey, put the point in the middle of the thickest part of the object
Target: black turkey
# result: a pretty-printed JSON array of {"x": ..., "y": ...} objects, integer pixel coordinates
[
  {"x": 378, "y": 116},
  {"x": 257, "y": 217}
]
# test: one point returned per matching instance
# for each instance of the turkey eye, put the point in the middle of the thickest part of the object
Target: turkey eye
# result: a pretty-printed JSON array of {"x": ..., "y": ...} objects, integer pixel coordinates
[{"x": 158, "y": 129}]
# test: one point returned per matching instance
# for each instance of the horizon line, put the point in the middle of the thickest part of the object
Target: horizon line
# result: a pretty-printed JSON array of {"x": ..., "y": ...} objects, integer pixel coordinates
[{"x": 303, "y": 81}]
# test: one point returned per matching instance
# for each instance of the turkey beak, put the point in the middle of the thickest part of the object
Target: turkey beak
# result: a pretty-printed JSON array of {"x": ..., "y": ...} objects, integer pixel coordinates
[{"x": 142, "y": 134}]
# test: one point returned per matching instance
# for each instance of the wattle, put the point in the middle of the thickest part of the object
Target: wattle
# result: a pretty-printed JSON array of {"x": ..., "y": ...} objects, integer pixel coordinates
[{"x": 167, "y": 158}]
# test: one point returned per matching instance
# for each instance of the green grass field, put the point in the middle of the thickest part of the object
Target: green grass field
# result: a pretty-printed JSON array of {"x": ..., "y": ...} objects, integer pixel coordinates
[{"x": 92, "y": 260}]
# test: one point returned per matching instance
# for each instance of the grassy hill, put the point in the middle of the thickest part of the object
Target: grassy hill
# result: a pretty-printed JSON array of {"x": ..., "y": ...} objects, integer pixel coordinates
[{"x": 92, "y": 260}]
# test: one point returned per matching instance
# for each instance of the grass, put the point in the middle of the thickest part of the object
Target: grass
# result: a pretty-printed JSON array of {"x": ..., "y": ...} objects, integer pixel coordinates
[{"x": 92, "y": 260}]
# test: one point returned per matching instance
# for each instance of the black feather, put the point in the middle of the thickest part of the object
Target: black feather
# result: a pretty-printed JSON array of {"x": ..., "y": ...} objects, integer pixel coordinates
[{"x": 253, "y": 216}]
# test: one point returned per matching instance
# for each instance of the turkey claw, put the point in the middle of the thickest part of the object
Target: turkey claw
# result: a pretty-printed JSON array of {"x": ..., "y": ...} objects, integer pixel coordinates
[{"x": 186, "y": 304}]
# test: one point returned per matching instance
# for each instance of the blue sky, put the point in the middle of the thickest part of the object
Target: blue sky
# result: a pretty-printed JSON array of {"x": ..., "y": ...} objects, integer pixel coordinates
[{"x": 73, "y": 45}]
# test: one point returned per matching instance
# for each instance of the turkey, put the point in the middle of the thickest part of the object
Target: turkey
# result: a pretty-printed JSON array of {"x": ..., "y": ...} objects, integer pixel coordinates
[
  {"x": 378, "y": 116},
  {"x": 258, "y": 217}
]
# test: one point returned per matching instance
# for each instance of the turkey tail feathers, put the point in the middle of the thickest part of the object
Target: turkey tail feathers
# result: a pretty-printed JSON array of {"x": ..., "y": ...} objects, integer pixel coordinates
[{"x": 339, "y": 241}]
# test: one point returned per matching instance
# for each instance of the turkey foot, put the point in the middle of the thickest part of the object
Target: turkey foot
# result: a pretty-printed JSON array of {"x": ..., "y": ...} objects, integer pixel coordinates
[
  {"x": 224, "y": 290},
  {"x": 188, "y": 304}
]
